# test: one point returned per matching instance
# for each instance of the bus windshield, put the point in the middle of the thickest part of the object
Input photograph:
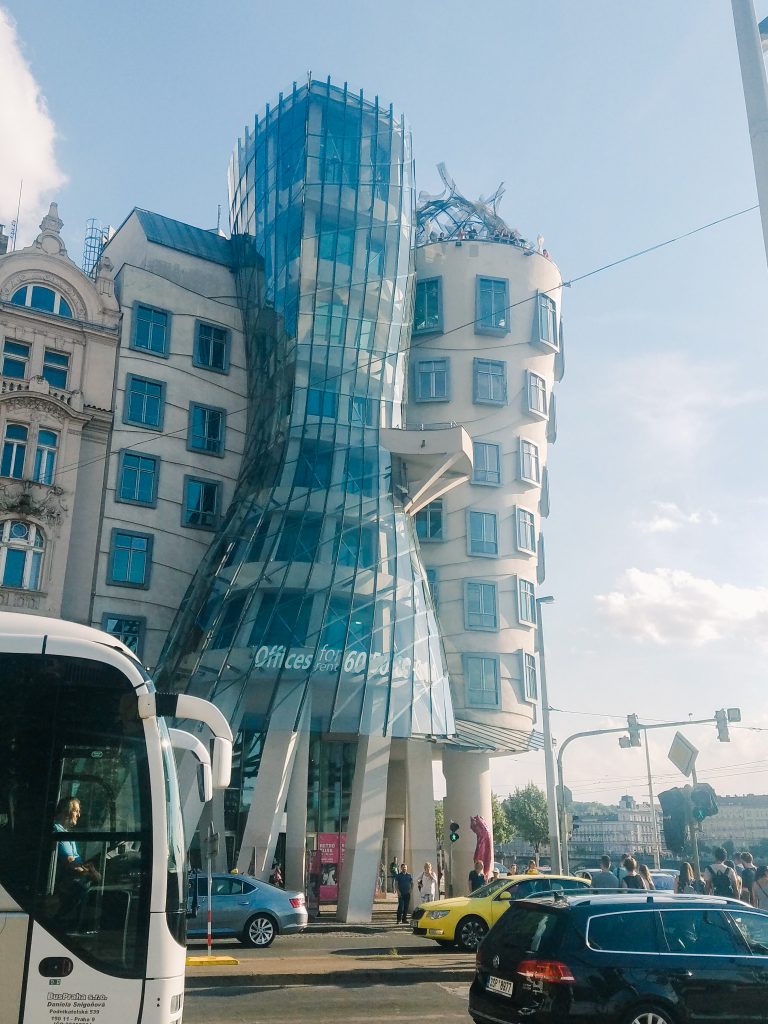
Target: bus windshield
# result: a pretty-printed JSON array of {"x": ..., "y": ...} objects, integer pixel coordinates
[{"x": 75, "y": 806}]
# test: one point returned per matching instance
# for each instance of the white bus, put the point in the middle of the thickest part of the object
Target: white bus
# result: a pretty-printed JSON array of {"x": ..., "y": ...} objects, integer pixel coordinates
[{"x": 92, "y": 848}]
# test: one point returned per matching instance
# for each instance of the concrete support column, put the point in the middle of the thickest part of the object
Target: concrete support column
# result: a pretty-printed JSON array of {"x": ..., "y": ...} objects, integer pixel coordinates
[
  {"x": 364, "y": 830},
  {"x": 296, "y": 808},
  {"x": 467, "y": 793},
  {"x": 394, "y": 834},
  {"x": 262, "y": 826},
  {"x": 421, "y": 843}
]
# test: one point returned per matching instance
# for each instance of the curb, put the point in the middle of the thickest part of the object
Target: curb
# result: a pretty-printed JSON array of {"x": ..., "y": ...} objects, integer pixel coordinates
[{"x": 347, "y": 979}]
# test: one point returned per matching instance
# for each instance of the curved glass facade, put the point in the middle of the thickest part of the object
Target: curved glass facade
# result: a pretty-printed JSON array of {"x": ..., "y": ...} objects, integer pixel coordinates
[{"x": 314, "y": 589}]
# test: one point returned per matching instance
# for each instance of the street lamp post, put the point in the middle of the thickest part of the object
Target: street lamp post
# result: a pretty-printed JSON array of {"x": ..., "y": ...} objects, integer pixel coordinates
[{"x": 549, "y": 756}]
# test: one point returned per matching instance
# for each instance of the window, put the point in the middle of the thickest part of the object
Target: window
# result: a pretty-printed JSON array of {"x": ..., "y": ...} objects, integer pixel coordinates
[
  {"x": 492, "y": 306},
  {"x": 16, "y": 359},
  {"x": 14, "y": 450},
  {"x": 282, "y": 618},
  {"x": 144, "y": 402},
  {"x": 362, "y": 411},
  {"x": 129, "y": 630},
  {"x": 530, "y": 467},
  {"x": 538, "y": 404},
  {"x": 151, "y": 330},
  {"x": 137, "y": 478},
  {"x": 315, "y": 464},
  {"x": 704, "y": 932},
  {"x": 633, "y": 932},
  {"x": 202, "y": 503},
  {"x": 429, "y": 521},
  {"x": 428, "y": 308},
  {"x": 486, "y": 468},
  {"x": 299, "y": 538},
  {"x": 432, "y": 380},
  {"x": 525, "y": 530},
  {"x": 337, "y": 245},
  {"x": 37, "y": 296},
  {"x": 481, "y": 673},
  {"x": 21, "y": 555},
  {"x": 207, "y": 427},
  {"x": 490, "y": 381},
  {"x": 130, "y": 559},
  {"x": 322, "y": 403},
  {"x": 330, "y": 322},
  {"x": 754, "y": 929},
  {"x": 530, "y": 684},
  {"x": 356, "y": 545},
  {"x": 482, "y": 533},
  {"x": 526, "y": 602},
  {"x": 548, "y": 333},
  {"x": 45, "y": 456},
  {"x": 211, "y": 347},
  {"x": 434, "y": 587},
  {"x": 362, "y": 471},
  {"x": 56, "y": 368},
  {"x": 334, "y": 631},
  {"x": 480, "y": 610}
]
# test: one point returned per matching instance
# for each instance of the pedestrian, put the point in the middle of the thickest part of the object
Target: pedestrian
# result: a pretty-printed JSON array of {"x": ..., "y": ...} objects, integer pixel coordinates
[
  {"x": 760, "y": 888},
  {"x": 645, "y": 874},
  {"x": 393, "y": 873},
  {"x": 721, "y": 878},
  {"x": 512, "y": 869},
  {"x": 427, "y": 883},
  {"x": 533, "y": 867},
  {"x": 605, "y": 880},
  {"x": 476, "y": 876},
  {"x": 747, "y": 876},
  {"x": 622, "y": 869},
  {"x": 684, "y": 881},
  {"x": 276, "y": 877},
  {"x": 404, "y": 885},
  {"x": 631, "y": 879}
]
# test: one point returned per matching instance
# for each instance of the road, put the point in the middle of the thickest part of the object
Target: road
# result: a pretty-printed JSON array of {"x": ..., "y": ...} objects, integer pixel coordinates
[{"x": 329, "y": 1004}]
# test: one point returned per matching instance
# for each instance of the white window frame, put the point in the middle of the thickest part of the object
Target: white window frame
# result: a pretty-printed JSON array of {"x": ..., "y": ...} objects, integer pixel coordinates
[
  {"x": 487, "y": 517},
  {"x": 525, "y": 529},
  {"x": 429, "y": 394},
  {"x": 34, "y": 547},
  {"x": 438, "y": 326},
  {"x": 492, "y": 588},
  {"x": 537, "y": 395},
  {"x": 484, "y": 328},
  {"x": 44, "y": 468},
  {"x": 529, "y": 677},
  {"x": 529, "y": 462},
  {"x": 548, "y": 328},
  {"x": 494, "y": 693},
  {"x": 17, "y": 446},
  {"x": 486, "y": 483},
  {"x": 486, "y": 370},
  {"x": 425, "y": 514},
  {"x": 526, "y": 602},
  {"x": 16, "y": 357}
]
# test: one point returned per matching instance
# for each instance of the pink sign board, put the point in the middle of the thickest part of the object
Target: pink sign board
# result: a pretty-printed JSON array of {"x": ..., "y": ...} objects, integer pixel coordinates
[{"x": 330, "y": 846}]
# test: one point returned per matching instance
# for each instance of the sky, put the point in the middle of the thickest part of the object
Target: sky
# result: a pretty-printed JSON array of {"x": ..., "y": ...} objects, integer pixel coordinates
[{"x": 615, "y": 127}]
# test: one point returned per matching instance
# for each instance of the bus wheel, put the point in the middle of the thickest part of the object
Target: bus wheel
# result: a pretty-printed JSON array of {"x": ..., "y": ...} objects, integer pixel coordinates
[{"x": 259, "y": 931}]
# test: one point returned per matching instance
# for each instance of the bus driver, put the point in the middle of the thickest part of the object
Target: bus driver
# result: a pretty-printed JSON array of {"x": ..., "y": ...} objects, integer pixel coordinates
[{"x": 75, "y": 875}]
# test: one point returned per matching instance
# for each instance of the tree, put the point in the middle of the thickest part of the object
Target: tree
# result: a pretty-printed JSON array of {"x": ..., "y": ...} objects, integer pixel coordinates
[
  {"x": 502, "y": 827},
  {"x": 439, "y": 822},
  {"x": 526, "y": 810}
]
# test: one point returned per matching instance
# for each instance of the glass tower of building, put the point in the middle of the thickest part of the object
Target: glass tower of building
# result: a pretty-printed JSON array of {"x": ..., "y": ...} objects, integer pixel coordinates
[{"x": 313, "y": 600}]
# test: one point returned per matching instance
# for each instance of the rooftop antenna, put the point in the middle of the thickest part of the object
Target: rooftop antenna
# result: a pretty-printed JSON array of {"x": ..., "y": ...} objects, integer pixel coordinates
[{"x": 15, "y": 223}]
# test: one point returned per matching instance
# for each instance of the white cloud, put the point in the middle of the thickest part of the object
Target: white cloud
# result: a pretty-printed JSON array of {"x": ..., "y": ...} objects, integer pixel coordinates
[
  {"x": 29, "y": 135},
  {"x": 670, "y": 605},
  {"x": 677, "y": 400},
  {"x": 667, "y": 517}
]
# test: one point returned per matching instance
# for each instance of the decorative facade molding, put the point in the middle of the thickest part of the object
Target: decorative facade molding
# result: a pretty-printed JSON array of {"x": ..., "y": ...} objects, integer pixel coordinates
[
  {"x": 29, "y": 500},
  {"x": 35, "y": 276}
]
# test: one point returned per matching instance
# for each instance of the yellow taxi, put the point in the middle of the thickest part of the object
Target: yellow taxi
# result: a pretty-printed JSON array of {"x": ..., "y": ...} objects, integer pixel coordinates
[{"x": 463, "y": 921}]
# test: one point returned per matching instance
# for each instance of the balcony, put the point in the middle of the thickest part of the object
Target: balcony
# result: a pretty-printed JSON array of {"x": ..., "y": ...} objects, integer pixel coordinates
[{"x": 438, "y": 457}]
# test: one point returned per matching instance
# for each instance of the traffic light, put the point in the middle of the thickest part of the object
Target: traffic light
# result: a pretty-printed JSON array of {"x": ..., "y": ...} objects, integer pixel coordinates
[
  {"x": 703, "y": 803},
  {"x": 674, "y": 808},
  {"x": 454, "y": 832},
  {"x": 634, "y": 731},
  {"x": 721, "y": 720}
]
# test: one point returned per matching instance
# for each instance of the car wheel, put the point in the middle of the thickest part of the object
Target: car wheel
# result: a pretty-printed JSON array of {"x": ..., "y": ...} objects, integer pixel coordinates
[
  {"x": 470, "y": 932},
  {"x": 260, "y": 931},
  {"x": 649, "y": 1015}
]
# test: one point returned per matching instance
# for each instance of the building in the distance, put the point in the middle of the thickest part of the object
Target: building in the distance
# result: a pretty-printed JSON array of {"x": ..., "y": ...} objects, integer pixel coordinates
[{"x": 742, "y": 820}]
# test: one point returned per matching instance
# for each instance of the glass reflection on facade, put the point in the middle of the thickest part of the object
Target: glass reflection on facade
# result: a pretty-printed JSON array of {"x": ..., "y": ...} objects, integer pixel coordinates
[{"x": 314, "y": 592}]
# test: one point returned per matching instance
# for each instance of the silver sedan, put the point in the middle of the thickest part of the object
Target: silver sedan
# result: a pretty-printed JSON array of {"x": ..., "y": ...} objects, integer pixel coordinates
[{"x": 244, "y": 908}]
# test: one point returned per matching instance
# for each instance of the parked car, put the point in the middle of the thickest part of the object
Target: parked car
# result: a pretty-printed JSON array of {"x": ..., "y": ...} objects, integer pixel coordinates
[
  {"x": 664, "y": 878},
  {"x": 647, "y": 958},
  {"x": 464, "y": 920},
  {"x": 245, "y": 908}
]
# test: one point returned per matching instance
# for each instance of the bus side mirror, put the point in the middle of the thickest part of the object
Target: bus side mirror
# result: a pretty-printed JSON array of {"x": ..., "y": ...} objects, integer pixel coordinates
[
  {"x": 221, "y": 762},
  {"x": 204, "y": 782}
]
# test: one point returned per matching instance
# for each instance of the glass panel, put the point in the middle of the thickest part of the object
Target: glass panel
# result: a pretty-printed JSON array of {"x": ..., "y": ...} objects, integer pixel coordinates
[
  {"x": 699, "y": 931},
  {"x": 151, "y": 330},
  {"x": 43, "y": 298},
  {"x": 137, "y": 482},
  {"x": 56, "y": 368},
  {"x": 15, "y": 359},
  {"x": 75, "y": 813},
  {"x": 633, "y": 932}
]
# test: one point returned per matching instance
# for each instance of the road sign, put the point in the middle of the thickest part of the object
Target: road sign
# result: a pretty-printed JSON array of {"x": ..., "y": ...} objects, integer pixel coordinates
[{"x": 683, "y": 754}]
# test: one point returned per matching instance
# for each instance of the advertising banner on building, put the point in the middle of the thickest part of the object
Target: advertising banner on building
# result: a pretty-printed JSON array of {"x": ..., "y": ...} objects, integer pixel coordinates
[{"x": 331, "y": 846}]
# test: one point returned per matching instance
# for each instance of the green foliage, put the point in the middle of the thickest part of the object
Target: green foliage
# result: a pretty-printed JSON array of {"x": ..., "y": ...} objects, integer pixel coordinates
[
  {"x": 526, "y": 810},
  {"x": 590, "y": 808},
  {"x": 502, "y": 826},
  {"x": 439, "y": 822}
]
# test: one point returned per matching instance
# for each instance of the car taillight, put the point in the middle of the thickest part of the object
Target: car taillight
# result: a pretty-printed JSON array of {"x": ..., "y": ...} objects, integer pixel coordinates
[
  {"x": 545, "y": 970},
  {"x": 297, "y": 901}
]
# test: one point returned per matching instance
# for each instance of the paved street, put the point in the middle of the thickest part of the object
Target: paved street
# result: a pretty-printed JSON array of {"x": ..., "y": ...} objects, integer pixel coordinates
[{"x": 351, "y": 1003}]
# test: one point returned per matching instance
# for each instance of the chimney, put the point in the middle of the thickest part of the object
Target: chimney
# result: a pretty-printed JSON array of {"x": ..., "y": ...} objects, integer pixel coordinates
[{"x": 3, "y": 241}]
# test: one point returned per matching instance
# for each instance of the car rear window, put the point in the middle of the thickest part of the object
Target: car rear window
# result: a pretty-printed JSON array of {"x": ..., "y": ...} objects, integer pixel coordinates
[
  {"x": 531, "y": 929},
  {"x": 699, "y": 931},
  {"x": 632, "y": 932},
  {"x": 754, "y": 928}
]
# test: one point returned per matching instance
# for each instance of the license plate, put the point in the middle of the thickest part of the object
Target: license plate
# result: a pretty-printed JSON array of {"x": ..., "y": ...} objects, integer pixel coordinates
[
  {"x": 500, "y": 985},
  {"x": 435, "y": 931}
]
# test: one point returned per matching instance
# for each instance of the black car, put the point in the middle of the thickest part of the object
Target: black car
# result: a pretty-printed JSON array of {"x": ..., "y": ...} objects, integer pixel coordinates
[{"x": 629, "y": 959}]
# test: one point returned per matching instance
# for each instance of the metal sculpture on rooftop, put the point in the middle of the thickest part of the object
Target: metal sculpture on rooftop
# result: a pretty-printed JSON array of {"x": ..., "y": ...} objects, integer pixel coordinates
[{"x": 451, "y": 216}]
